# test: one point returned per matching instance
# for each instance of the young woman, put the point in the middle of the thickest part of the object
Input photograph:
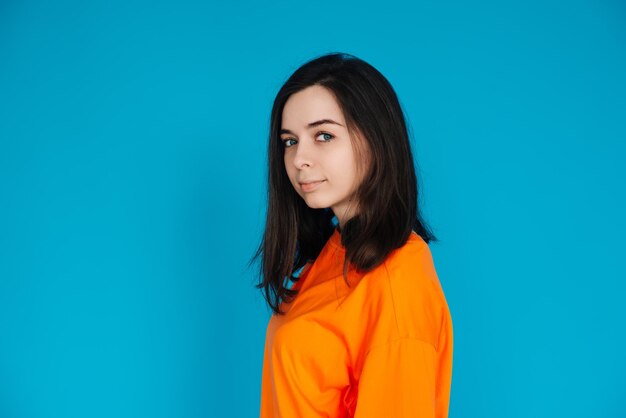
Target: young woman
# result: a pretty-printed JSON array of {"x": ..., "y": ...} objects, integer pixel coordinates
[{"x": 364, "y": 330}]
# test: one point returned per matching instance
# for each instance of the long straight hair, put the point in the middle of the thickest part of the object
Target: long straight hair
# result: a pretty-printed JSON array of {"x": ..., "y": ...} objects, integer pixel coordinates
[{"x": 387, "y": 196}]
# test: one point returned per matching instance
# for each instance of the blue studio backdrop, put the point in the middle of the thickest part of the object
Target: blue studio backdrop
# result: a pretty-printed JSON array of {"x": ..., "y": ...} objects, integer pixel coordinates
[{"x": 133, "y": 184}]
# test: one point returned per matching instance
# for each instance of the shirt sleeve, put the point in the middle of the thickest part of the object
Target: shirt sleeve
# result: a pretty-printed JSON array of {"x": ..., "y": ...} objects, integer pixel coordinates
[{"x": 407, "y": 377}]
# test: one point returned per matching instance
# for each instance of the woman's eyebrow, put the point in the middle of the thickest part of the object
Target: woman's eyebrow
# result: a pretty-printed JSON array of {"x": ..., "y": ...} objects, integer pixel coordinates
[{"x": 313, "y": 125}]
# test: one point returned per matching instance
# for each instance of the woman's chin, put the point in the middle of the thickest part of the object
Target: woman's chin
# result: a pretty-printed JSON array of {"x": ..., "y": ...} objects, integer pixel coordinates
[{"x": 314, "y": 203}]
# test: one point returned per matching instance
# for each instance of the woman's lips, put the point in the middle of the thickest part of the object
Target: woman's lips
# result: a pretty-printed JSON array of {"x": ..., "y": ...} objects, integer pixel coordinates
[{"x": 309, "y": 187}]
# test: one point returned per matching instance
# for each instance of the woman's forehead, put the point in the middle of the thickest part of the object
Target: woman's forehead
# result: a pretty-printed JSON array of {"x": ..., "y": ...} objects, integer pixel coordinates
[{"x": 311, "y": 104}]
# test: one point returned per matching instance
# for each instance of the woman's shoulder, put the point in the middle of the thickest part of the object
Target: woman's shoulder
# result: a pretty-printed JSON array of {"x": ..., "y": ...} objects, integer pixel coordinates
[
  {"x": 411, "y": 269},
  {"x": 414, "y": 255},
  {"x": 406, "y": 294}
]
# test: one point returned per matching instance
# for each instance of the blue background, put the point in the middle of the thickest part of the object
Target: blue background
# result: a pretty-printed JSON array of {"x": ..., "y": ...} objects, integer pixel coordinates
[{"x": 132, "y": 186}]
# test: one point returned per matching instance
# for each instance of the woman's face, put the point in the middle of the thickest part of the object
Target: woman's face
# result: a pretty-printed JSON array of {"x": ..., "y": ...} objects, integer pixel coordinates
[{"x": 319, "y": 158}]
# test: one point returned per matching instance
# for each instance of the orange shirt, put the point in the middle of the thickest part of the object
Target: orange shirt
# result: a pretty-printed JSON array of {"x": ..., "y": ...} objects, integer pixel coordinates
[{"x": 380, "y": 348}]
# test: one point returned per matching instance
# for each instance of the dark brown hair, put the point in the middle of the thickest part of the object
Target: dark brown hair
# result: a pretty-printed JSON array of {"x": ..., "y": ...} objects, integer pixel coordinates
[{"x": 387, "y": 197}]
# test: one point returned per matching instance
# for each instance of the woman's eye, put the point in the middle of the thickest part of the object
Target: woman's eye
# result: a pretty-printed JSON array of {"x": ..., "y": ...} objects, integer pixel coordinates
[
  {"x": 286, "y": 142},
  {"x": 327, "y": 136}
]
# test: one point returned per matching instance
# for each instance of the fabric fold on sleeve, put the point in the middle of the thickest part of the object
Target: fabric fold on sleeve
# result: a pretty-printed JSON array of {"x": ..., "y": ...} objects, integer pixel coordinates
[{"x": 399, "y": 379}]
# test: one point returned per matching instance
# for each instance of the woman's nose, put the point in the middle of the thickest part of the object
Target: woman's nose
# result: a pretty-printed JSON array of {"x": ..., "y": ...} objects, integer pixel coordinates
[{"x": 303, "y": 155}]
